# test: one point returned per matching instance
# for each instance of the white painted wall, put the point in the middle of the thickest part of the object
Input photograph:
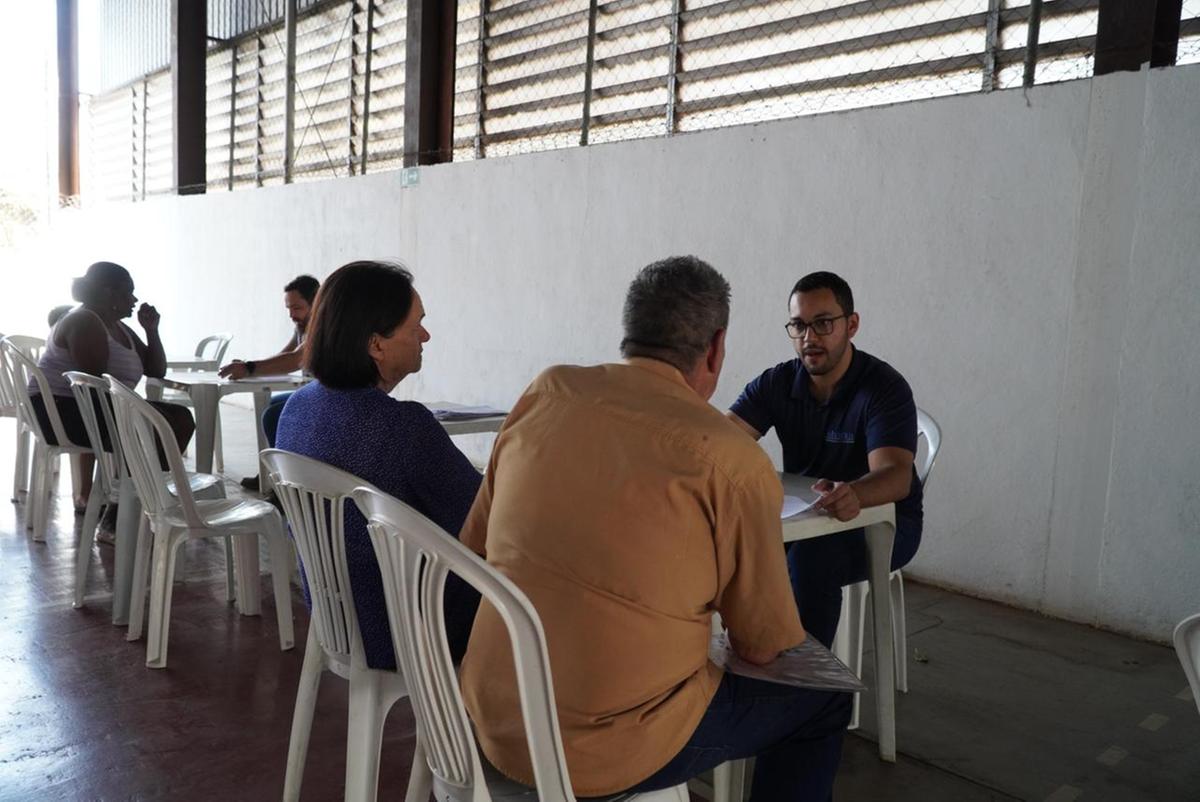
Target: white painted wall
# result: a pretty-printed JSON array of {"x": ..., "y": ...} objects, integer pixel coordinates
[{"x": 1027, "y": 261}]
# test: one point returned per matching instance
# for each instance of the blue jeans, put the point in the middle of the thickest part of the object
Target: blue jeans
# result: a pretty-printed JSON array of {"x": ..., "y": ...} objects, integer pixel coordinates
[
  {"x": 795, "y": 734},
  {"x": 270, "y": 420},
  {"x": 820, "y": 566}
]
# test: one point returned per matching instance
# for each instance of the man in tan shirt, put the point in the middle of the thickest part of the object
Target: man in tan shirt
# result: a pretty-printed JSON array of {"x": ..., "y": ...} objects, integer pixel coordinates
[{"x": 629, "y": 510}]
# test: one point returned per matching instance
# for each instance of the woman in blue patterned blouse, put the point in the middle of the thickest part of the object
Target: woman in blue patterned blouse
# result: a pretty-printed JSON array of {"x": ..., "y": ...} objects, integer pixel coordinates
[{"x": 365, "y": 337}]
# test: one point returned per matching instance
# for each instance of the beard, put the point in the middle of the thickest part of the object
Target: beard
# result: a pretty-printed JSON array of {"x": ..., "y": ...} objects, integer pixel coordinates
[{"x": 819, "y": 361}]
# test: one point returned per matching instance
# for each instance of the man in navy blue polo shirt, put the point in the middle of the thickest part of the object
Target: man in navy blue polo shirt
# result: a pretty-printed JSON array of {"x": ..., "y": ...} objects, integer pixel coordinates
[{"x": 849, "y": 419}]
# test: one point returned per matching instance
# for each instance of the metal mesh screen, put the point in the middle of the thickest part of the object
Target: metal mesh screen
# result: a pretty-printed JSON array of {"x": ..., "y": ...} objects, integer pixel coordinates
[
  {"x": 535, "y": 75},
  {"x": 1189, "y": 33},
  {"x": 540, "y": 74}
]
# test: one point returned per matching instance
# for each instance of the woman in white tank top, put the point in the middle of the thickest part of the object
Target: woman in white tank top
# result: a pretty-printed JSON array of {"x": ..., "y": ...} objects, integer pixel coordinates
[{"x": 92, "y": 338}]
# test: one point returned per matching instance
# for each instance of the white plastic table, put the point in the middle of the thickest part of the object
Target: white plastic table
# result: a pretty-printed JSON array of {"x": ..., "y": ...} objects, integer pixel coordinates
[
  {"x": 206, "y": 389},
  {"x": 191, "y": 363},
  {"x": 880, "y": 526}
]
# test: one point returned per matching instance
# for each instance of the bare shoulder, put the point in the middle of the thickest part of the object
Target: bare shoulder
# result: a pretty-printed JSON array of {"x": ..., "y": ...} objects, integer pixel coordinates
[{"x": 78, "y": 322}]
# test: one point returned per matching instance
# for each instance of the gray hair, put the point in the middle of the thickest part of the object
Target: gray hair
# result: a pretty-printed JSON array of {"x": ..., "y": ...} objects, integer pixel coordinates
[{"x": 673, "y": 309}]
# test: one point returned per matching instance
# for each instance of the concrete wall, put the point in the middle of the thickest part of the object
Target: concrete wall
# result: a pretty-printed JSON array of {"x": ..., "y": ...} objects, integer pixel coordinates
[{"x": 1026, "y": 260}]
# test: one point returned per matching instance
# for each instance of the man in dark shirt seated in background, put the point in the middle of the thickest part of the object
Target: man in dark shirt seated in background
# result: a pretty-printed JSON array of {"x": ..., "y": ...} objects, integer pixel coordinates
[
  {"x": 848, "y": 419},
  {"x": 298, "y": 296}
]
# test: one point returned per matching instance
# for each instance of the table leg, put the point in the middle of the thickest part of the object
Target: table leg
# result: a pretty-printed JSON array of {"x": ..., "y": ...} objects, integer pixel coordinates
[
  {"x": 246, "y": 574},
  {"x": 879, "y": 556},
  {"x": 204, "y": 400},
  {"x": 129, "y": 514},
  {"x": 262, "y": 399}
]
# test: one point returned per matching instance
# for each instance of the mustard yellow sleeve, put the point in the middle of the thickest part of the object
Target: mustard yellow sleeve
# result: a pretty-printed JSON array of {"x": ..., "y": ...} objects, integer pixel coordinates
[{"x": 754, "y": 596}]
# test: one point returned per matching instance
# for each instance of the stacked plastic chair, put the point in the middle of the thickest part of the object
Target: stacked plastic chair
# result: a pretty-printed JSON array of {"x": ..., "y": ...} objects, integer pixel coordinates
[
  {"x": 314, "y": 497},
  {"x": 176, "y": 516},
  {"x": 23, "y": 372},
  {"x": 91, "y": 394},
  {"x": 32, "y": 347}
]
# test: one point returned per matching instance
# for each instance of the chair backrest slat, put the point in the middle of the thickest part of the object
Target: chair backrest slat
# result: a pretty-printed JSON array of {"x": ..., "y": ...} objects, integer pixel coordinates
[
  {"x": 415, "y": 557},
  {"x": 142, "y": 431},
  {"x": 1187, "y": 646},
  {"x": 91, "y": 393},
  {"x": 314, "y": 497},
  {"x": 212, "y": 347},
  {"x": 928, "y": 428},
  {"x": 23, "y": 371}
]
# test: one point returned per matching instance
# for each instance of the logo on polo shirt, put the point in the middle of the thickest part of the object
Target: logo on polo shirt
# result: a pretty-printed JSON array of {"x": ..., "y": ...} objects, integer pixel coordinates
[{"x": 845, "y": 438}]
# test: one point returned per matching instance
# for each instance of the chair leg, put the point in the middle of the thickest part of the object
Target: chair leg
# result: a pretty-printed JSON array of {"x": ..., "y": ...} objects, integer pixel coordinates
[
  {"x": 364, "y": 736},
  {"x": 280, "y": 576},
  {"x": 31, "y": 489},
  {"x": 218, "y": 449},
  {"x": 44, "y": 496},
  {"x": 899, "y": 631},
  {"x": 161, "y": 587},
  {"x": 245, "y": 566},
  {"x": 141, "y": 577},
  {"x": 21, "y": 466},
  {"x": 420, "y": 778},
  {"x": 729, "y": 780},
  {"x": 302, "y": 716},
  {"x": 854, "y": 609},
  {"x": 76, "y": 476},
  {"x": 87, "y": 535},
  {"x": 230, "y": 578}
]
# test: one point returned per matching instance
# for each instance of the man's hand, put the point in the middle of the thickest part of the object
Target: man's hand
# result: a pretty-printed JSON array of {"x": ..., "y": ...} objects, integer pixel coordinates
[
  {"x": 838, "y": 499},
  {"x": 234, "y": 370},
  {"x": 148, "y": 317}
]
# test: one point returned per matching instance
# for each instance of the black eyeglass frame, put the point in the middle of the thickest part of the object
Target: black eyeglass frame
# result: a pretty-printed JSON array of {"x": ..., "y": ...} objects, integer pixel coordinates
[{"x": 815, "y": 325}]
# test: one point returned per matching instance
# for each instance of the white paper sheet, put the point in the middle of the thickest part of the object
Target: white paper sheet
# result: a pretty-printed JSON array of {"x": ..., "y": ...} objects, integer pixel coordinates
[
  {"x": 448, "y": 412},
  {"x": 794, "y": 505}
]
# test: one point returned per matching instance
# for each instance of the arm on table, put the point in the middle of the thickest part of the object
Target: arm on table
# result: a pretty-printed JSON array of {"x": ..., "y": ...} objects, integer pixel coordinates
[
  {"x": 754, "y": 596},
  {"x": 889, "y": 478},
  {"x": 271, "y": 366}
]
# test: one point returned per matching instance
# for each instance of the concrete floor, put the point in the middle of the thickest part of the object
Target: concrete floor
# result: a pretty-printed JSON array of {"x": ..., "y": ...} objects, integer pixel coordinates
[{"x": 1003, "y": 704}]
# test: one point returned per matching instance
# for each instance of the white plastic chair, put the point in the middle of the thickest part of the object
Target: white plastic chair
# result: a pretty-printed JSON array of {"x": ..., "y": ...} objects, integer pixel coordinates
[
  {"x": 314, "y": 497},
  {"x": 210, "y": 352},
  {"x": 178, "y": 517},
  {"x": 91, "y": 392},
  {"x": 1187, "y": 646},
  {"x": 848, "y": 643},
  {"x": 31, "y": 347},
  {"x": 22, "y": 370},
  {"x": 415, "y": 557}
]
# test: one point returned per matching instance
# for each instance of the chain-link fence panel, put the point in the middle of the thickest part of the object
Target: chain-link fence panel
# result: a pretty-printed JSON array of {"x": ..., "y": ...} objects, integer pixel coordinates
[
  {"x": 1189, "y": 33},
  {"x": 535, "y": 75},
  {"x": 539, "y": 74}
]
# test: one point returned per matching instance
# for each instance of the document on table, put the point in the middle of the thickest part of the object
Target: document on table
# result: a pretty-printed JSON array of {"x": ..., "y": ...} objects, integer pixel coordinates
[
  {"x": 794, "y": 505},
  {"x": 450, "y": 412},
  {"x": 809, "y": 665}
]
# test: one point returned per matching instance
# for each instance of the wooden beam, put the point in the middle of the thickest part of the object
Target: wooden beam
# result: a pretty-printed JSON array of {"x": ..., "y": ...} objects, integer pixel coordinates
[
  {"x": 429, "y": 82},
  {"x": 68, "y": 100},
  {"x": 189, "y": 46}
]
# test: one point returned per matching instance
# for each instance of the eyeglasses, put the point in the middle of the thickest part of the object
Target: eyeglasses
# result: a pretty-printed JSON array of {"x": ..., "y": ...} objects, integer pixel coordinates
[{"x": 821, "y": 326}]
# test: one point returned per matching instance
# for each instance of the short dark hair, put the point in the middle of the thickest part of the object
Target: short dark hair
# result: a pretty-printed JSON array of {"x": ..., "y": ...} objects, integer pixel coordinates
[
  {"x": 824, "y": 280},
  {"x": 100, "y": 279},
  {"x": 360, "y": 299},
  {"x": 307, "y": 286},
  {"x": 673, "y": 309}
]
